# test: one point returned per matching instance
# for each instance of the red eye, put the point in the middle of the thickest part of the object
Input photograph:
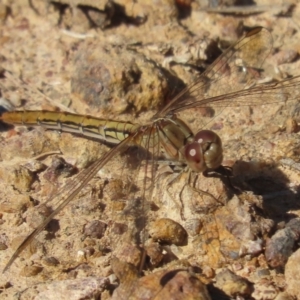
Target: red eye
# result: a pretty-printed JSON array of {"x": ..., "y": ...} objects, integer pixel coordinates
[
  {"x": 205, "y": 136},
  {"x": 194, "y": 157},
  {"x": 205, "y": 152}
]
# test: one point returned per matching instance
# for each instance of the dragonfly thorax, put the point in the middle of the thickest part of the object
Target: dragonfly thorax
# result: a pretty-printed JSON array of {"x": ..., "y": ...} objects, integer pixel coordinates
[
  {"x": 204, "y": 152},
  {"x": 173, "y": 135}
]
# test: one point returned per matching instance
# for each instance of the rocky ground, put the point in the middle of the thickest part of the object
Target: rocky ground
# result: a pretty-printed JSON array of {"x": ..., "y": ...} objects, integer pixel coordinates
[{"x": 205, "y": 237}]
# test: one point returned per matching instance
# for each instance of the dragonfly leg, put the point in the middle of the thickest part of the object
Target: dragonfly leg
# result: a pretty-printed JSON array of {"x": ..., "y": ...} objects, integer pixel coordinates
[
  {"x": 179, "y": 204},
  {"x": 225, "y": 173}
]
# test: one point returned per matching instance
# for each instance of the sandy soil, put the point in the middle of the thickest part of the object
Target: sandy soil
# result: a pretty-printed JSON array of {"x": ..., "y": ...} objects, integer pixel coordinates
[{"x": 205, "y": 237}]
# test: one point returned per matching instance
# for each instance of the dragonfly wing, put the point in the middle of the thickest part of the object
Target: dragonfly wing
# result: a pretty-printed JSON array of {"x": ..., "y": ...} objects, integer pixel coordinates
[
  {"x": 69, "y": 192},
  {"x": 237, "y": 68},
  {"x": 269, "y": 93}
]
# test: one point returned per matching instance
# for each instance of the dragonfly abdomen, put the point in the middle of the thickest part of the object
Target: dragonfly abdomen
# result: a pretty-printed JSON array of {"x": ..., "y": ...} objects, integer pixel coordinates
[{"x": 105, "y": 130}]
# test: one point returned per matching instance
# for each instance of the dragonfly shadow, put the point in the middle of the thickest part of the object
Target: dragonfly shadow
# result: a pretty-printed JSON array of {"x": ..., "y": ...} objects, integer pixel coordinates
[
  {"x": 272, "y": 185},
  {"x": 169, "y": 276},
  {"x": 217, "y": 294},
  {"x": 264, "y": 180},
  {"x": 225, "y": 174},
  {"x": 52, "y": 228},
  {"x": 267, "y": 191},
  {"x": 5, "y": 127},
  {"x": 6, "y": 106}
]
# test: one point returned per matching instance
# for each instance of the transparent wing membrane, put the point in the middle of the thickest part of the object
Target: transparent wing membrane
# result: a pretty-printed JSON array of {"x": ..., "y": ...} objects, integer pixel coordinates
[
  {"x": 236, "y": 69},
  {"x": 269, "y": 93},
  {"x": 67, "y": 194}
]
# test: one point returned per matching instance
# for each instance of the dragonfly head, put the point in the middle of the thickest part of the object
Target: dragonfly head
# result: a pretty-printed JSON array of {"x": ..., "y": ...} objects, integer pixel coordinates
[{"x": 204, "y": 152}]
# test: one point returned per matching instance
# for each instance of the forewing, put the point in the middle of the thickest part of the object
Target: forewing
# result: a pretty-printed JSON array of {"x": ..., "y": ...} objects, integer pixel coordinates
[
  {"x": 275, "y": 92},
  {"x": 236, "y": 69}
]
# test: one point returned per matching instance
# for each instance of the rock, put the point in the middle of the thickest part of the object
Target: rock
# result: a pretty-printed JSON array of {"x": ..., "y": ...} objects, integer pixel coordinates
[
  {"x": 168, "y": 231},
  {"x": 232, "y": 284},
  {"x": 292, "y": 274},
  {"x": 95, "y": 229},
  {"x": 173, "y": 284}
]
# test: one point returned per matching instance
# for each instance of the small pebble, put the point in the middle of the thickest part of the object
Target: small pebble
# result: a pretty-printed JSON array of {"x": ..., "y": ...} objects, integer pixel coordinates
[
  {"x": 30, "y": 271},
  {"x": 168, "y": 231}
]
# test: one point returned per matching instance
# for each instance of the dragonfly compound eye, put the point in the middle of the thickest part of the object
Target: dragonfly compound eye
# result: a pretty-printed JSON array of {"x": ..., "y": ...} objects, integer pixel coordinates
[
  {"x": 205, "y": 152},
  {"x": 194, "y": 157}
]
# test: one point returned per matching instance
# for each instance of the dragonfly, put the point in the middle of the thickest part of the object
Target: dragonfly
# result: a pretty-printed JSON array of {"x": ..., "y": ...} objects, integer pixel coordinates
[{"x": 231, "y": 80}]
